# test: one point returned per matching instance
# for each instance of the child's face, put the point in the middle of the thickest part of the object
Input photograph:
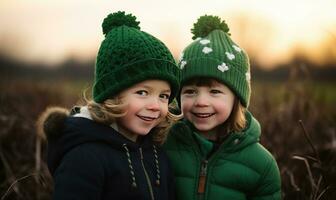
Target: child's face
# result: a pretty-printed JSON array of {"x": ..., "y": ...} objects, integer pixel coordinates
[
  {"x": 207, "y": 106},
  {"x": 146, "y": 106}
]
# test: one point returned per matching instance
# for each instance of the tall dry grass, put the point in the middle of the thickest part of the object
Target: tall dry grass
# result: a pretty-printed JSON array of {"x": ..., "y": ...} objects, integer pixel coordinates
[
  {"x": 298, "y": 122},
  {"x": 23, "y": 171}
]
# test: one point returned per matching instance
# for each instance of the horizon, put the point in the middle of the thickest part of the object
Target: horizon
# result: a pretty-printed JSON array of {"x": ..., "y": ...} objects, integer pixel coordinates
[{"x": 271, "y": 32}]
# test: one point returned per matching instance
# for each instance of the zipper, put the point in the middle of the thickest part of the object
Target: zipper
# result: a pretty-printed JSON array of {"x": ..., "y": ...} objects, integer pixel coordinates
[
  {"x": 202, "y": 177},
  {"x": 146, "y": 174},
  {"x": 204, "y": 168}
]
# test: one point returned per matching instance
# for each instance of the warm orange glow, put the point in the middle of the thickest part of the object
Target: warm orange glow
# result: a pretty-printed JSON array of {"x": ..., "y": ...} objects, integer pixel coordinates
[{"x": 271, "y": 31}]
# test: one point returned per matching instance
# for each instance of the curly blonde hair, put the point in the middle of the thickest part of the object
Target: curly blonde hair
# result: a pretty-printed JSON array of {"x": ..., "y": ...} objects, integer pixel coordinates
[{"x": 108, "y": 111}]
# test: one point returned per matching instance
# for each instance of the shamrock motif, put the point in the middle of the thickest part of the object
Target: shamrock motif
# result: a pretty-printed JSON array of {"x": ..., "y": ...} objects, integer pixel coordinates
[
  {"x": 236, "y": 48},
  {"x": 230, "y": 56},
  {"x": 206, "y": 50},
  {"x": 183, "y": 63},
  {"x": 223, "y": 67},
  {"x": 205, "y": 41},
  {"x": 248, "y": 76}
]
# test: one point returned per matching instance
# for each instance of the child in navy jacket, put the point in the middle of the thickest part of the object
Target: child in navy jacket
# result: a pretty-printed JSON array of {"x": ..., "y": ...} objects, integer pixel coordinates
[{"x": 110, "y": 148}]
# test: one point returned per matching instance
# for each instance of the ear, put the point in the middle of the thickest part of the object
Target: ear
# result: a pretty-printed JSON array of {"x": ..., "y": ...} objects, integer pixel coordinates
[{"x": 50, "y": 124}]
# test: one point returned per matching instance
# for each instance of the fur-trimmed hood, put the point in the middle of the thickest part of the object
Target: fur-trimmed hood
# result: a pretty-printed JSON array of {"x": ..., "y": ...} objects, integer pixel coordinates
[
  {"x": 51, "y": 122},
  {"x": 65, "y": 131}
]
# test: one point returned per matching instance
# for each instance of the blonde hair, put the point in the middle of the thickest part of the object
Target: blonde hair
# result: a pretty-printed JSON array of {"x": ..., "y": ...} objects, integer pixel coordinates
[{"x": 108, "y": 111}]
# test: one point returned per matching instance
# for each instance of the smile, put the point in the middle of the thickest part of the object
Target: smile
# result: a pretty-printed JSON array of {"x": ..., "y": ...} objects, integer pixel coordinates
[
  {"x": 203, "y": 115},
  {"x": 146, "y": 118}
]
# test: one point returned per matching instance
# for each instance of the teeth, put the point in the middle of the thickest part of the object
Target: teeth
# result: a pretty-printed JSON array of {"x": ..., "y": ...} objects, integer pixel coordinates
[
  {"x": 203, "y": 115},
  {"x": 147, "y": 118}
]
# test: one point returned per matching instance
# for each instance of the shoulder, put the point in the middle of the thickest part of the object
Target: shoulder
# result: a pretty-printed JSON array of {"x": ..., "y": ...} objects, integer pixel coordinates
[
  {"x": 81, "y": 174},
  {"x": 262, "y": 166},
  {"x": 178, "y": 127},
  {"x": 259, "y": 158},
  {"x": 91, "y": 154},
  {"x": 269, "y": 183},
  {"x": 80, "y": 164},
  {"x": 178, "y": 134},
  {"x": 86, "y": 153}
]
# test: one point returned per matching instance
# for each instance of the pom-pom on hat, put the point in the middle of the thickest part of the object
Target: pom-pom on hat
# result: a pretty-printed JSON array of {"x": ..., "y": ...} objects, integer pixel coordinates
[
  {"x": 213, "y": 54},
  {"x": 128, "y": 56}
]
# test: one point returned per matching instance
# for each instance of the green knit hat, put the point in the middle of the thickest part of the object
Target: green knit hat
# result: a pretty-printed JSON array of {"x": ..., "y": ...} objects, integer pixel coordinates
[
  {"x": 128, "y": 56},
  {"x": 213, "y": 54}
]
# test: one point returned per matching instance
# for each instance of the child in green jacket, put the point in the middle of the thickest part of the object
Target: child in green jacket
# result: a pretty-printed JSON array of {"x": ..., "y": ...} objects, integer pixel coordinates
[{"x": 215, "y": 149}]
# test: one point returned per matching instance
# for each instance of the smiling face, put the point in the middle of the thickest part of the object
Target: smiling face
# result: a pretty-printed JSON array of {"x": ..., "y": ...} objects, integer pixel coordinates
[
  {"x": 207, "y": 106},
  {"x": 146, "y": 105}
]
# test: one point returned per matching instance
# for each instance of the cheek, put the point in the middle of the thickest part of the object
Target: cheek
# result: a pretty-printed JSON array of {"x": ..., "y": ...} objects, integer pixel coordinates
[
  {"x": 126, "y": 118},
  {"x": 224, "y": 108},
  {"x": 185, "y": 108},
  {"x": 130, "y": 109},
  {"x": 186, "y": 104}
]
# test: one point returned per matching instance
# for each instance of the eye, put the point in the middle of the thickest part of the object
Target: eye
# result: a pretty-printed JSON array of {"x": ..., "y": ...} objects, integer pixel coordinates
[
  {"x": 189, "y": 91},
  {"x": 142, "y": 92},
  {"x": 164, "y": 96},
  {"x": 214, "y": 91}
]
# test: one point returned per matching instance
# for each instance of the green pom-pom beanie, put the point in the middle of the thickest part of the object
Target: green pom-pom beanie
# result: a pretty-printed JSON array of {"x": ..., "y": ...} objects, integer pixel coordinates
[
  {"x": 213, "y": 54},
  {"x": 128, "y": 56}
]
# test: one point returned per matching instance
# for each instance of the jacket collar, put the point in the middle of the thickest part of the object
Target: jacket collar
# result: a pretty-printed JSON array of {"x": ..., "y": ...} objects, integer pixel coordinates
[{"x": 184, "y": 131}]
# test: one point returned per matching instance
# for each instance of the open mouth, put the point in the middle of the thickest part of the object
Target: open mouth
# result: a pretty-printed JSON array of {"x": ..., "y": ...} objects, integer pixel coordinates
[
  {"x": 146, "y": 118},
  {"x": 203, "y": 115}
]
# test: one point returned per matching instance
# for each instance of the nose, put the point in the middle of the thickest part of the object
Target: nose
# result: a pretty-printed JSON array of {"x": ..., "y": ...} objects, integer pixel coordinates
[
  {"x": 153, "y": 104},
  {"x": 201, "y": 101}
]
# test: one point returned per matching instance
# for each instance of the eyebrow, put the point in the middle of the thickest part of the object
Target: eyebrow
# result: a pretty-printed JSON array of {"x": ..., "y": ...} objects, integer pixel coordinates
[
  {"x": 166, "y": 90},
  {"x": 150, "y": 88}
]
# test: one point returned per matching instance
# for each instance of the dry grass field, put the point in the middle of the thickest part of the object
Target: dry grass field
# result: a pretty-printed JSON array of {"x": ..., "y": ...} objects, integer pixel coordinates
[{"x": 298, "y": 119}]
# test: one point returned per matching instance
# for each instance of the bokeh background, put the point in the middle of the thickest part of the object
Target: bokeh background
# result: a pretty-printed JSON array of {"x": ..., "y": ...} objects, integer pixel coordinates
[{"x": 47, "y": 56}]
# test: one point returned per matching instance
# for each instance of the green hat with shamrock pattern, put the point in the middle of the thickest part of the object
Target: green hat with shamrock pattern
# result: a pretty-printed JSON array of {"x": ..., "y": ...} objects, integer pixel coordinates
[
  {"x": 128, "y": 56},
  {"x": 213, "y": 54}
]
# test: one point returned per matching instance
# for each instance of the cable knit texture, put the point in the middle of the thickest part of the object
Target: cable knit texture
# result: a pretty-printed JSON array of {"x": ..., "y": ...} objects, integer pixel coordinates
[
  {"x": 216, "y": 55},
  {"x": 128, "y": 55}
]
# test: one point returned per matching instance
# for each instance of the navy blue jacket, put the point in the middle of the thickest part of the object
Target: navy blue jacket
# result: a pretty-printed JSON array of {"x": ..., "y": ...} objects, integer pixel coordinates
[{"x": 89, "y": 160}]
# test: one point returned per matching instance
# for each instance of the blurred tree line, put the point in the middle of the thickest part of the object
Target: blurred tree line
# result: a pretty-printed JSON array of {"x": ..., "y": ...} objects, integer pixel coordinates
[{"x": 76, "y": 70}]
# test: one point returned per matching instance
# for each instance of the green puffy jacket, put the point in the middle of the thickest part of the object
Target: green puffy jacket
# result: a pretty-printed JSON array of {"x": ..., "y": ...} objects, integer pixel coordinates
[{"x": 241, "y": 168}]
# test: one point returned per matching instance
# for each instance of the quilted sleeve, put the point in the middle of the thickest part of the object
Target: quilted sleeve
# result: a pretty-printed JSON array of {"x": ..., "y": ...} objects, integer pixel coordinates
[{"x": 269, "y": 187}]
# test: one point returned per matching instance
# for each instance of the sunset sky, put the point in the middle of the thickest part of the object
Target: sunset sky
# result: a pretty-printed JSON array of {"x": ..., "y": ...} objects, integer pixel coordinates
[{"x": 51, "y": 31}]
